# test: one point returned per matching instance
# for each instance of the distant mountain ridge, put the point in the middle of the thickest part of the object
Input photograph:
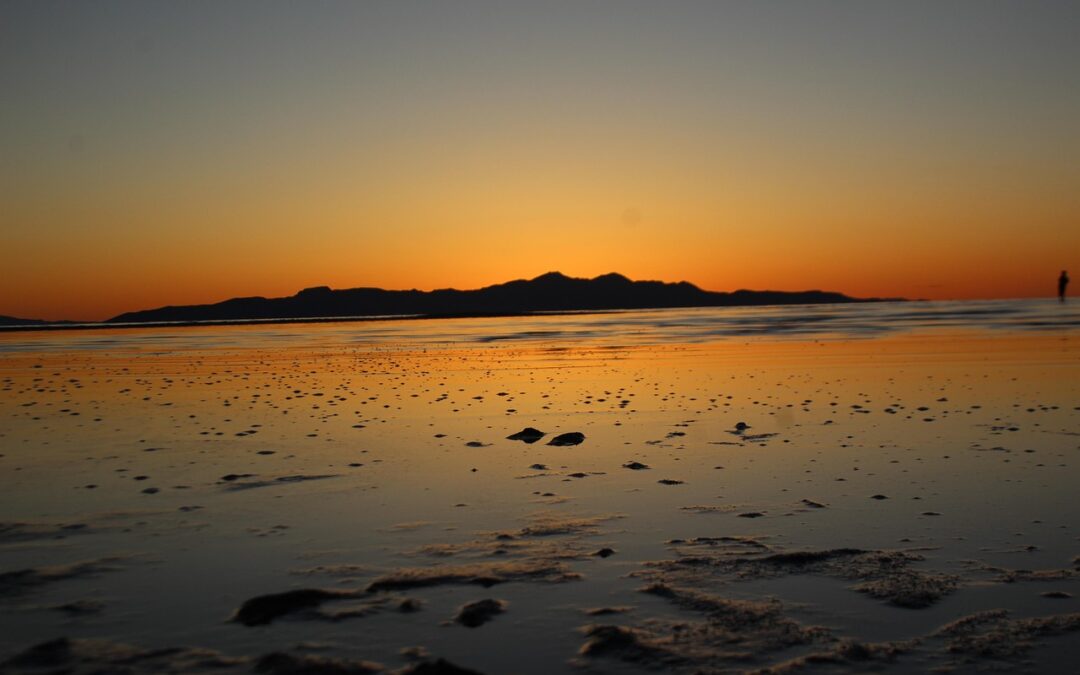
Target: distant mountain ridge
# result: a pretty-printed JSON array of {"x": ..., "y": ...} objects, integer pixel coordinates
[
  {"x": 14, "y": 321},
  {"x": 551, "y": 292}
]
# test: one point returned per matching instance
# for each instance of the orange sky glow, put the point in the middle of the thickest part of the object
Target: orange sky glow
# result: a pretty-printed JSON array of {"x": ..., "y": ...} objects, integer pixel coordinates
[{"x": 158, "y": 155}]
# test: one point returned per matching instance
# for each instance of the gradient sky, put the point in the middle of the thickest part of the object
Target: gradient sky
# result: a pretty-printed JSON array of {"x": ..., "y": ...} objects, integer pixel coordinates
[{"x": 159, "y": 153}]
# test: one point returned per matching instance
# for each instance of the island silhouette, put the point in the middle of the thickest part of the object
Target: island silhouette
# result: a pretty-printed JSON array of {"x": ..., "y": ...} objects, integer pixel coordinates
[
  {"x": 551, "y": 292},
  {"x": 15, "y": 321}
]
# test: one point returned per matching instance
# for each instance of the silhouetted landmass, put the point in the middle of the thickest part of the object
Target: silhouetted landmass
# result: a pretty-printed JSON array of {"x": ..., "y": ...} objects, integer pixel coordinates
[
  {"x": 551, "y": 292},
  {"x": 13, "y": 321}
]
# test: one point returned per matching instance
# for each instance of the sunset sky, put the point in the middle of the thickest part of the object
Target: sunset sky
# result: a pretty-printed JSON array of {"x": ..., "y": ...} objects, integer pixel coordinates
[{"x": 157, "y": 153}]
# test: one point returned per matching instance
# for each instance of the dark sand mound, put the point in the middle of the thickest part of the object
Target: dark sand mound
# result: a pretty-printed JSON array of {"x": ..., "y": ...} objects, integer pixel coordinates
[
  {"x": 730, "y": 632},
  {"x": 475, "y": 614},
  {"x": 281, "y": 663},
  {"x": 305, "y": 603},
  {"x": 845, "y": 656},
  {"x": 569, "y": 438},
  {"x": 887, "y": 575},
  {"x": 86, "y": 657},
  {"x": 98, "y": 657},
  {"x": 233, "y": 482},
  {"x": 545, "y": 524},
  {"x": 264, "y": 609},
  {"x": 436, "y": 667},
  {"x": 992, "y": 634},
  {"x": 527, "y": 435},
  {"x": 21, "y": 581},
  {"x": 481, "y": 574}
]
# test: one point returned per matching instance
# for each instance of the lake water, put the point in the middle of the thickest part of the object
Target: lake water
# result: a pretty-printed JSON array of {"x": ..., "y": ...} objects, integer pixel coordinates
[
  {"x": 772, "y": 485},
  {"x": 646, "y": 327}
]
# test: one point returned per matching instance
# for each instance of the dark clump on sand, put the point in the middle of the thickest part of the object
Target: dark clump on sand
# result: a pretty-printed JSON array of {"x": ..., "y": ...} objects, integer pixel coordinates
[
  {"x": 437, "y": 667},
  {"x": 1011, "y": 576},
  {"x": 886, "y": 575},
  {"x": 80, "y": 607},
  {"x": 280, "y": 663},
  {"x": 18, "y": 532},
  {"x": 475, "y": 614},
  {"x": 856, "y": 656},
  {"x": 86, "y": 657},
  {"x": 230, "y": 477},
  {"x": 527, "y": 435},
  {"x": 729, "y": 633},
  {"x": 635, "y": 466},
  {"x": 547, "y": 524},
  {"x": 481, "y": 574},
  {"x": 803, "y": 558},
  {"x": 628, "y": 644},
  {"x": 21, "y": 581},
  {"x": 97, "y": 657},
  {"x": 264, "y": 609},
  {"x": 992, "y": 634},
  {"x": 233, "y": 482},
  {"x": 569, "y": 438},
  {"x": 605, "y": 611}
]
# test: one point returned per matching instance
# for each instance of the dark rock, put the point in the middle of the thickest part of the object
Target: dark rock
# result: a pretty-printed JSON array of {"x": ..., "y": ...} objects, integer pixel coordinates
[
  {"x": 527, "y": 435},
  {"x": 437, "y": 667},
  {"x": 569, "y": 438},
  {"x": 478, "y": 613},
  {"x": 264, "y": 609},
  {"x": 230, "y": 477}
]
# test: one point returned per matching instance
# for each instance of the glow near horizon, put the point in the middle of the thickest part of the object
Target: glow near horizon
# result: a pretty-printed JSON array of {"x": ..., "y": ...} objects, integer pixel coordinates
[{"x": 172, "y": 153}]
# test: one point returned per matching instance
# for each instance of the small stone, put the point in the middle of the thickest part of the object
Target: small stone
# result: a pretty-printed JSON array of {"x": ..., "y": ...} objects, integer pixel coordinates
[{"x": 569, "y": 438}]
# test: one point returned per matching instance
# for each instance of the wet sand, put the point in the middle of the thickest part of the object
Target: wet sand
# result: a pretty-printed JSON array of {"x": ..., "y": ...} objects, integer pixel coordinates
[{"x": 902, "y": 503}]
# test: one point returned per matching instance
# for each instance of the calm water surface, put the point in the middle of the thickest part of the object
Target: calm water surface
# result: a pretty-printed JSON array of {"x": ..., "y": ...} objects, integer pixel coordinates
[
  {"x": 645, "y": 327},
  {"x": 194, "y": 468}
]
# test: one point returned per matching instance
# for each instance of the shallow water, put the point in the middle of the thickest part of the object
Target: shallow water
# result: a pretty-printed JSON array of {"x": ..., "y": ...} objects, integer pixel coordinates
[
  {"x": 636, "y": 327},
  {"x": 964, "y": 417}
]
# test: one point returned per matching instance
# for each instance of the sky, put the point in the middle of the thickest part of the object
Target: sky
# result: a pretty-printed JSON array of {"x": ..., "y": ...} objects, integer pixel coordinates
[{"x": 156, "y": 153}]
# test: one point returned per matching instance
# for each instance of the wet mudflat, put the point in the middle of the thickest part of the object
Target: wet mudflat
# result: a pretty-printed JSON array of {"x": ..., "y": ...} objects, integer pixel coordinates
[{"x": 252, "y": 503}]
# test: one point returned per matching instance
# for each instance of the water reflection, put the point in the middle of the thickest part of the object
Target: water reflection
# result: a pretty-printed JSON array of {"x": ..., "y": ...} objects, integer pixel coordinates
[{"x": 636, "y": 327}]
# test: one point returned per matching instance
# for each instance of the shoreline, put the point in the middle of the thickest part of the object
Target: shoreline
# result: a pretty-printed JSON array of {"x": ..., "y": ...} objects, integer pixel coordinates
[{"x": 99, "y": 325}]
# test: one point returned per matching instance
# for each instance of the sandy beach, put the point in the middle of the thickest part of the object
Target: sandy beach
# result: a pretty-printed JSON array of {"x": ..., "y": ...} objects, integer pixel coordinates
[{"x": 344, "y": 499}]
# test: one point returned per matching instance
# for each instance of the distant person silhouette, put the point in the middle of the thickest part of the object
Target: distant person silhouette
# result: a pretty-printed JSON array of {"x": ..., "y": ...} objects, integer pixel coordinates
[{"x": 1063, "y": 282}]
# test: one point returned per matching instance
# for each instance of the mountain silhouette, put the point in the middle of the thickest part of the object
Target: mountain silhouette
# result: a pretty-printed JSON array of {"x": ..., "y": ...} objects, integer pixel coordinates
[
  {"x": 13, "y": 321},
  {"x": 551, "y": 292}
]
